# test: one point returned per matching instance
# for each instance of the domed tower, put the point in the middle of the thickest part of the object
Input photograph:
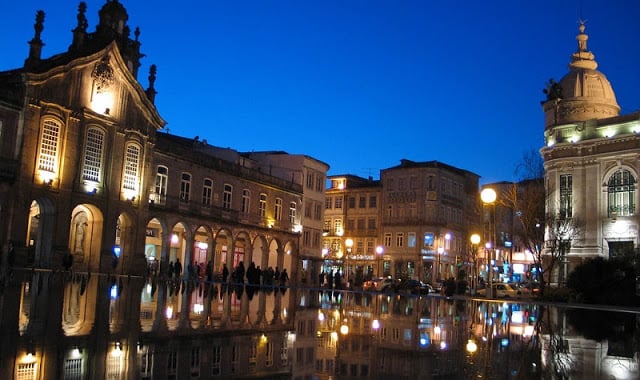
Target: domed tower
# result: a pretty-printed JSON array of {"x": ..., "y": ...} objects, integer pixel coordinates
[{"x": 582, "y": 94}]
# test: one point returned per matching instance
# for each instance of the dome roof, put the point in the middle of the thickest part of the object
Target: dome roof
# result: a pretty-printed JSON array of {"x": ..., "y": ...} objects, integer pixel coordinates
[{"x": 584, "y": 93}]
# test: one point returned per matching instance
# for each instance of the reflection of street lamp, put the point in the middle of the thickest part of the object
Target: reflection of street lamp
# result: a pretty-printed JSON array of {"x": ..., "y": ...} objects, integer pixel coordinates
[
  {"x": 475, "y": 240},
  {"x": 489, "y": 196},
  {"x": 349, "y": 244},
  {"x": 379, "y": 253}
]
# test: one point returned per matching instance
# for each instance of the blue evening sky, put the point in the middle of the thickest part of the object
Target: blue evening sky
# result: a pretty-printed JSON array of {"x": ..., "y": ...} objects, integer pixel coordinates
[{"x": 359, "y": 84}]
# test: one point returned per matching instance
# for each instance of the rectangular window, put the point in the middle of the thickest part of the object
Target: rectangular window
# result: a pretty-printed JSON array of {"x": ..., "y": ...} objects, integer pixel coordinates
[
  {"x": 360, "y": 247},
  {"x": 48, "y": 160},
  {"x": 428, "y": 240},
  {"x": 337, "y": 226},
  {"x": 262, "y": 205},
  {"x": 320, "y": 183},
  {"x": 246, "y": 201},
  {"x": 172, "y": 362},
  {"x": 26, "y": 371},
  {"x": 400, "y": 239},
  {"x": 566, "y": 196},
  {"x": 351, "y": 224},
  {"x": 207, "y": 191},
  {"x": 216, "y": 360},
  {"x": 278, "y": 209},
  {"x": 373, "y": 201},
  {"x": 352, "y": 202},
  {"x": 195, "y": 362},
  {"x": 310, "y": 180},
  {"x": 185, "y": 187},
  {"x": 361, "y": 224},
  {"x": 371, "y": 224},
  {"x": 268, "y": 359},
  {"x": 387, "y": 239},
  {"x": 131, "y": 167},
  {"x": 226, "y": 196},
  {"x": 411, "y": 239},
  {"x": 292, "y": 212},
  {"x": 93, "y": 155},
  {"x": 369, "y": 247},
  {"x": 338, "y": 202},
  {"x": 73, "y": 369},
  {"x": 362, "y": 202},
  {"x": 162, "y": 176},
  {"x": 327, "y": 203}
]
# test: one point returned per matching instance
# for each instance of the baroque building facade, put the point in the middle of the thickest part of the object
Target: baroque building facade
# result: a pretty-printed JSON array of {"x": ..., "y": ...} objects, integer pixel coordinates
[
  {"x": 103, "y": 207},
  {"x": 591, "y": 162}
]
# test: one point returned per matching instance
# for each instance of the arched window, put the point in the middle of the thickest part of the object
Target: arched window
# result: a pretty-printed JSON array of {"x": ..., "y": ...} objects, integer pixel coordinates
[
  {"x": 246, "y": 201},
  {"x": 621, "y": 191},
  {"x": 131, "y": 167},
  {"x": 278, "y": 209},
  {"x": 262, "y": 205},
  {"x": 94, "y": 145},
  {"x": 48, "y": 160}
]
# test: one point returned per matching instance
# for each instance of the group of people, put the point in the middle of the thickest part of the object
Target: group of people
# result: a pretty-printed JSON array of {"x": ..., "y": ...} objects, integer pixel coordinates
[
  {"x": 331, "y": 280},
  {"x": 253, "y": 274}
]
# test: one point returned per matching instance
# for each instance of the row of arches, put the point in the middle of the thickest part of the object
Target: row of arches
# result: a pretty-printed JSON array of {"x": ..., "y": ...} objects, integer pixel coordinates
[{"x": 96, "y": 244}]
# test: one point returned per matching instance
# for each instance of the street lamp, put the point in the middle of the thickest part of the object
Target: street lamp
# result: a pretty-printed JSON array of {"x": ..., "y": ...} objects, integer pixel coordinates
[
  {"x": 349, "y": 244},
  {"x": 379, "y": 253},
  {"x": 488, "y": 196},
  {"x": 475, "y": 240},
  {"x": 441, "y": 251}
]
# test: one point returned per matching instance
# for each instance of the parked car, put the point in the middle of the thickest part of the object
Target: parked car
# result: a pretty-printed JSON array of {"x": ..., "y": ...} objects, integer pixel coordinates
[
  {"x": 379, "y": 284},
  {"x": 413, "y": 287},
  {"x": 501, "y": 291}
]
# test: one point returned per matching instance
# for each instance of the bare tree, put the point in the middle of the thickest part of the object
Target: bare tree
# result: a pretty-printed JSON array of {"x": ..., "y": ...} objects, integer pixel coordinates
[{"x": 560, "y": 232}]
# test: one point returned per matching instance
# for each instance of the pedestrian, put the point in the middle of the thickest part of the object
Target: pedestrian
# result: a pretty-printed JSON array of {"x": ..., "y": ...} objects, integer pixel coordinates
[
  {"x": 284, "y": 277},
  {"x": 177, "y": 268}
]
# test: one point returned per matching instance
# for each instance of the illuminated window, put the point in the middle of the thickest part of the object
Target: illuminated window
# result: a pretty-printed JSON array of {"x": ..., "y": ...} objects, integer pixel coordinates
[
  {"x": 292, "y": 212},
  {"x": 185, "y": 187},
  {"x": 387, "y": 239},
  {"x": 566, "y": 196},
  {"x": 48, "y": 159},
  {"x": 226, "y": 196},
  {"x": 337, "y": 226},
  {"x": 162, "y": 176},
  {"x": 73, "y": 368},
  {"x": 278, "y": 209},
  {"x": 207, "y": 191},
  {"x": 26, "y": 371},
  {"x": 246, "y": 201},
  {"x": 262, "y": 205},
  {"x": 411, "y": 239},
  {"x": 93, "y": 155},
  {"x": 622, "y": 193},
  {"x": 338, "y": 202},
  {"x": 268, "y": 359},
  {"x": 131, "y": 167}
]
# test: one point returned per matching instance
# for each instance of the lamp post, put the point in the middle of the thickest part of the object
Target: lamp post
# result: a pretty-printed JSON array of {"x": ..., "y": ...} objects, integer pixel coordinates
[
  {"x": 379, "y": 253},
  {"x": 475, "y": 240},
  {"x": 349, "y": 244},
  {"x": 488, "y": 197}
]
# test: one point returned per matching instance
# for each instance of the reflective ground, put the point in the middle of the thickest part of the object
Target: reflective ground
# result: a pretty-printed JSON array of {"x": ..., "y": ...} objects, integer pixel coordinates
[{"x": 62, "y": 325}]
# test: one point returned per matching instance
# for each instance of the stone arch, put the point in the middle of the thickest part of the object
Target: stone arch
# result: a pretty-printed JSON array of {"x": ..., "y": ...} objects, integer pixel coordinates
[
  {"x": 85, "y": 236},
  {"x": 272, "y": 257},
  {"x": 40, "y": 232},
  {"x": 155, "y": 247},
  {"x": 178, "y": 251},
  {"x": 259, "y": 253},
  {"x": 290, "y": 258},
  {"x": 243, "y": 251},
  {"x": 201, "y": 249},
  {"x": 223, "y": 245},
  {"x": 124, "y": 241}
]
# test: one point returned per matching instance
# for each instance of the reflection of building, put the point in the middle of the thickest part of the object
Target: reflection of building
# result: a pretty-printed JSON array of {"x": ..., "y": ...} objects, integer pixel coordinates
[
  {"x": 591, "y": 161},
  {"x": 87, "y": 175}
]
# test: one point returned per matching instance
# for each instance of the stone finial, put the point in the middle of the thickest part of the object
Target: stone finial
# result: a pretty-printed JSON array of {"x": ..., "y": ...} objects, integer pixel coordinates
[
  {"x": 151, "y": 91},
  {"x": 36, "y": 43}
]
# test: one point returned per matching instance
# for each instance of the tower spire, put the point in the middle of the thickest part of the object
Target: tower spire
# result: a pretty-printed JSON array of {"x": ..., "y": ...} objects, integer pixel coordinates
[{"x": 582, "y": 58}]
